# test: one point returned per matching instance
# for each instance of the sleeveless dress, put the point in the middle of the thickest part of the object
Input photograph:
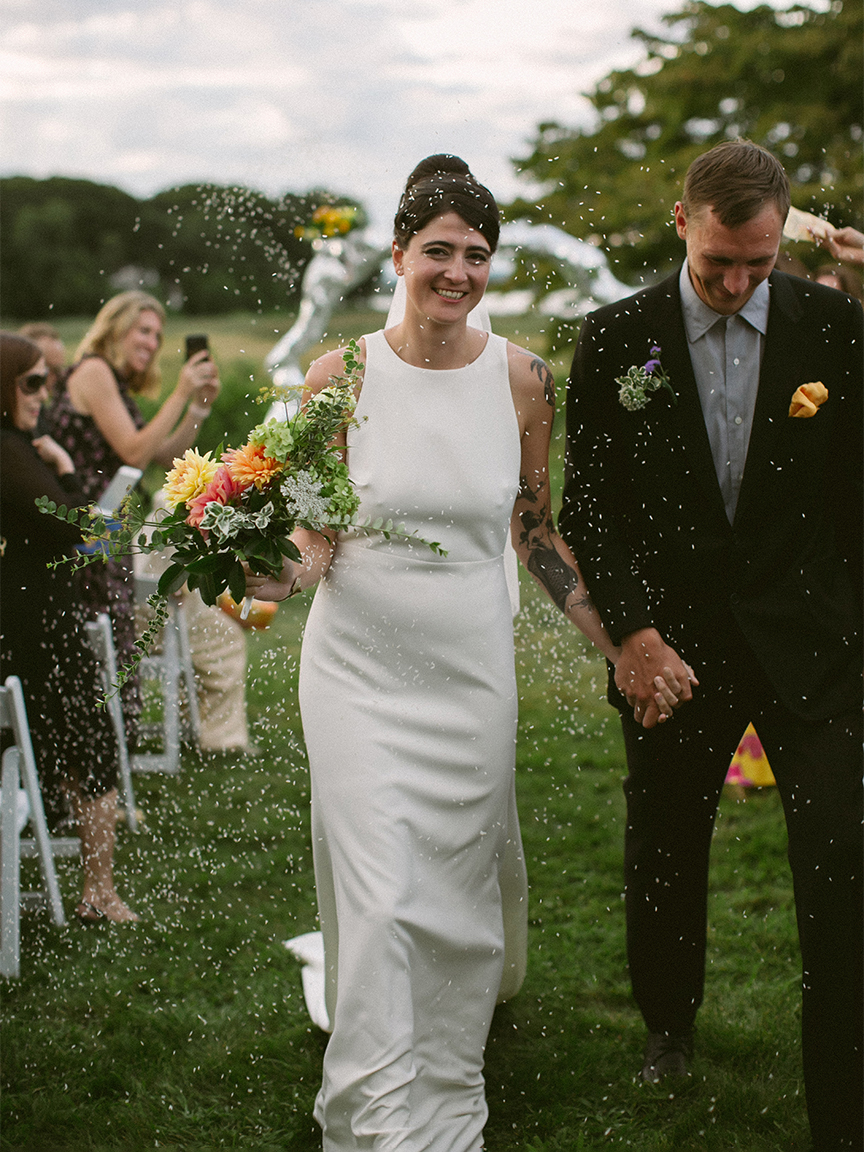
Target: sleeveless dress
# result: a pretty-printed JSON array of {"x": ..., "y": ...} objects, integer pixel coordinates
[
  {"x": 408, "y": 701},
  {"x": 103, "y": 587}
]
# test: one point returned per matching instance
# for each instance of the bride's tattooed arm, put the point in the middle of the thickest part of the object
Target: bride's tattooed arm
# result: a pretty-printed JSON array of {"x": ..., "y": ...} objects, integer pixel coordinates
[
  {"x": 542, "y": 559},
  {"x": 538, "y": 545}
]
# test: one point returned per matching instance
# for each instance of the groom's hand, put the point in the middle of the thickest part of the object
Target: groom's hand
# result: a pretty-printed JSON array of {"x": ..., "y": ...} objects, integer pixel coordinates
[{"x": 644, "y": 656}]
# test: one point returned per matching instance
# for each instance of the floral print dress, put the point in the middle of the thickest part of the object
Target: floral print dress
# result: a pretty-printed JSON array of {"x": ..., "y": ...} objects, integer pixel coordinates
[{"x": 102, "y": 587}]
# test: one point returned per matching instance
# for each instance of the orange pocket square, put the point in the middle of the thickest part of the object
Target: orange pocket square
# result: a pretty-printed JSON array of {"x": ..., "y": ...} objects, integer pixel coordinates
[{"x": 807, "y": 399}]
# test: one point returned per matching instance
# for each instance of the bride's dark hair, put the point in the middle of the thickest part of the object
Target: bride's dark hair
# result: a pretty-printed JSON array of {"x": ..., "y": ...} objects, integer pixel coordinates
[{"x": 444, "y": 183}]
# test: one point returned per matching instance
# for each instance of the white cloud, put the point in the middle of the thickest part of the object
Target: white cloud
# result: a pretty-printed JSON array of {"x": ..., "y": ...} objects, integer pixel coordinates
[{"x": 294, "y": 94}]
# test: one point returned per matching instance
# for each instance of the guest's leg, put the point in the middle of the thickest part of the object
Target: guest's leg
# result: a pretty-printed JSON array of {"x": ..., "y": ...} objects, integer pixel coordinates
[
  {"x": 818, "y": 769},
  {"x": 97, "y": 822}
]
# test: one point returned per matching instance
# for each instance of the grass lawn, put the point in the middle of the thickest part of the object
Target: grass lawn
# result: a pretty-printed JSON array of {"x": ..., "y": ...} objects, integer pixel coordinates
[{"x": 189, "y": 1031}]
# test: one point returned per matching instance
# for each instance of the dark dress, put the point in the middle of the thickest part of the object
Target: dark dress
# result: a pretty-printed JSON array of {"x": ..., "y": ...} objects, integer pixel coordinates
[
  {"x": 102, "y": 587},
  {"x": 41, "y": 636}
]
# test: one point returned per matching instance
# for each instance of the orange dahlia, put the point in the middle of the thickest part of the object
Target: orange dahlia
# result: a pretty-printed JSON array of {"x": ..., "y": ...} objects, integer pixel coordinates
[{"x": 248, "y": 465}]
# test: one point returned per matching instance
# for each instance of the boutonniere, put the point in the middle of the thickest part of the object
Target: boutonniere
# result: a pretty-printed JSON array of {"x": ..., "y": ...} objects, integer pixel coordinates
[
  {"x": 641, "y": 380},
  {"x": 807, "y": 399}
]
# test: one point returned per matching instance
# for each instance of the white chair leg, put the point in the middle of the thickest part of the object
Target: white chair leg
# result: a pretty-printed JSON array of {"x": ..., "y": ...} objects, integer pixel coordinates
[
  {"x": 101, "y": 641},
  {"x": 30, "y": 780},
  {"x": 188, "y": 671},
  {"x": 10, "y": 867}
]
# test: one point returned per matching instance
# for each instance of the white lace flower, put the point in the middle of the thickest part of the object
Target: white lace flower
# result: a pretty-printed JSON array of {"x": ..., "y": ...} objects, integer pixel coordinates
[{"x": 302, "y": 496}]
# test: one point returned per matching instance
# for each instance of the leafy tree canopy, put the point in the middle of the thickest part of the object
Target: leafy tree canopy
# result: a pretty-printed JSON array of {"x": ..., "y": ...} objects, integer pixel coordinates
[
  {"x": 789, "y": 80},
  {"x": 69, "y": 245}
]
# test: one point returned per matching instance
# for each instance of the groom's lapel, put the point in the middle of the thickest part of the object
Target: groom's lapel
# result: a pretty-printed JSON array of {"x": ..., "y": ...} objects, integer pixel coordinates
[{"x": 775, "y": 389}]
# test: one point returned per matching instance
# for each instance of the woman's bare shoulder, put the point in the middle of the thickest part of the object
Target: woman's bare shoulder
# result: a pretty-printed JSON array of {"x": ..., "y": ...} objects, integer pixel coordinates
[
  {"x": 91, "y": 383},
  {"x": 331, "y": 364},
  {"x": 530, "y": 376}
]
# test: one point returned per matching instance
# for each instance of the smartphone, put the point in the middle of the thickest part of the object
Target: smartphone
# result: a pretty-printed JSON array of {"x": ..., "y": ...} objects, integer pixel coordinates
[{"x": 197, "y": 343}]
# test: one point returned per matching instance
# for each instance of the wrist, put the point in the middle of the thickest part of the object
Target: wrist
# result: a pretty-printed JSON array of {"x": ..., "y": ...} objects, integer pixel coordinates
[{"x": 199, "y": 411}]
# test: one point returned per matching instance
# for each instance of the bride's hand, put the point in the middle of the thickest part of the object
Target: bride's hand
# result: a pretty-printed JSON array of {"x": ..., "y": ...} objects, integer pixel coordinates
[
  {"x": 669, "y": 693},
  {"x": 273, "y": 587}
]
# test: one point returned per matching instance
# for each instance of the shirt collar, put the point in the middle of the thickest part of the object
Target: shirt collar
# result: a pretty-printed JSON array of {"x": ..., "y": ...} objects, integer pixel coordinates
[{"x": 698, "y": 317}]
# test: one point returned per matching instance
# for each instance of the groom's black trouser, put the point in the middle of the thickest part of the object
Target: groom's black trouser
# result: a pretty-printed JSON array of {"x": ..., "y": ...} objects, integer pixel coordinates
[{"x": 676, "y": 773}]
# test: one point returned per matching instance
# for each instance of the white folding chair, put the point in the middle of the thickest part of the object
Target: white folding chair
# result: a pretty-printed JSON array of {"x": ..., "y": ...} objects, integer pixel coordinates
[
  {"x": 101, "y": 640},
  {"x": 170, "y": 667},
  {"x": 19, "y": 773}
]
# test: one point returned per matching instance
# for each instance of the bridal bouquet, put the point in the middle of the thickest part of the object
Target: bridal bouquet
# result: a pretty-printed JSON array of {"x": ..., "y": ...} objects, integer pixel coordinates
[{"x": 241, "y": 505}]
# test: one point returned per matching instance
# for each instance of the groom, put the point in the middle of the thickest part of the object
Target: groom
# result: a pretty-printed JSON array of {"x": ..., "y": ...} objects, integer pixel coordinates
[{"x": 719, "y": 526}]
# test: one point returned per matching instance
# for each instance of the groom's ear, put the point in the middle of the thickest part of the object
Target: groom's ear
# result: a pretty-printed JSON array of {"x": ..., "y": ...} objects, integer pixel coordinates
[{"x": 680, "y": 220}]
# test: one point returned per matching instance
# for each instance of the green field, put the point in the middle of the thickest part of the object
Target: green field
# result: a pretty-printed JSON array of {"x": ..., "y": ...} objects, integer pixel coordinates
[{"x": 188, "y": 1030}]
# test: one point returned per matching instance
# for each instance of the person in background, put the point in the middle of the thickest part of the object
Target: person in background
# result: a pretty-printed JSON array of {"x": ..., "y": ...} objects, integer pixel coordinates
[
  {"x": 843, "y": 279},
  {"x": 48, "y": 339},
  {"x": 96, "y": 419},
  {"x": 217, "y": 645},
  {"x": 40, "y": 630},
  {"x": 721, "y": 525}
]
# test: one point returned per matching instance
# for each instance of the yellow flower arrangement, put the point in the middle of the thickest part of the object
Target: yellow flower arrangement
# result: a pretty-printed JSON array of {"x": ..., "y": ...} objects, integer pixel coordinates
[
  {"x": 328, "y": 220},
  {"x": 189, "y": 477}
]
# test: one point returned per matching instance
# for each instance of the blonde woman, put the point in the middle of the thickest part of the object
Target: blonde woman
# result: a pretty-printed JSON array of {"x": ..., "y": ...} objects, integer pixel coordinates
[{"x": 95, "y": 417}]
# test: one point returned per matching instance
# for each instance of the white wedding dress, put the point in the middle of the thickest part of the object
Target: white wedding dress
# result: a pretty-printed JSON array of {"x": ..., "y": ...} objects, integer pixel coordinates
[{"x": 408, "y": 700}]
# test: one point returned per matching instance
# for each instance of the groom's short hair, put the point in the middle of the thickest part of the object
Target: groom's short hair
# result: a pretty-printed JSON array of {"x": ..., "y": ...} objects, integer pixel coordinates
[{"x": 736, "y": 179}]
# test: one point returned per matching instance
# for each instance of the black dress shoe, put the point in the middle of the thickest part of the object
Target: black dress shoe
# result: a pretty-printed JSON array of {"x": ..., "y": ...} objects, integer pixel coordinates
[{"x": 667, "y": 1054}]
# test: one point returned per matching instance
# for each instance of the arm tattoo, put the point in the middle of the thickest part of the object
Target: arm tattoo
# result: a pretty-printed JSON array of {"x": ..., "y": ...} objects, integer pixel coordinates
[
  {"x": 553, "y": 572},
  {"x": 546, "y": 378}
]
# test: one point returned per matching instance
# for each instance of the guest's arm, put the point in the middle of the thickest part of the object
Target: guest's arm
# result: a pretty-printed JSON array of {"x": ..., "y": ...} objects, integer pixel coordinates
[{"x": 94, "y": 392}]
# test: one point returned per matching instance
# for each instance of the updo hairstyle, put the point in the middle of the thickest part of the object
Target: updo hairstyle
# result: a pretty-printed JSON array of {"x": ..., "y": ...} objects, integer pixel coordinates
[{"x": 440, "y": 184}]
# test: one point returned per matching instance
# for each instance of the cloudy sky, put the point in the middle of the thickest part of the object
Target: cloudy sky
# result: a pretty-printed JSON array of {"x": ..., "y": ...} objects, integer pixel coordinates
[{"x": 294, "y": 94}]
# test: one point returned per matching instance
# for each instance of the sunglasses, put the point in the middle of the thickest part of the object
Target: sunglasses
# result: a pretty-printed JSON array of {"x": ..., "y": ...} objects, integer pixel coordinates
[{"x": 31, "y": 384}]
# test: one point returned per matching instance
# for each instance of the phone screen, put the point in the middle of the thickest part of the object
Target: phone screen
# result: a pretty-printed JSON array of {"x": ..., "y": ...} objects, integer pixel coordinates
[{"x": 197, "y": 343}]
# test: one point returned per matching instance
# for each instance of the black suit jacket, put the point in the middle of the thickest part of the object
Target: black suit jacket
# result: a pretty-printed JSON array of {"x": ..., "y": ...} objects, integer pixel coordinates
[{"x": 644, "y": 515}]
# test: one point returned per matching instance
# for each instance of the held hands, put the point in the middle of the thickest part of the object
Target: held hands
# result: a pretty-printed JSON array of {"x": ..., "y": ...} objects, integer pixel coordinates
[
  {"x": 652, "y": 677},
  {"x": 54, "y": 455}
]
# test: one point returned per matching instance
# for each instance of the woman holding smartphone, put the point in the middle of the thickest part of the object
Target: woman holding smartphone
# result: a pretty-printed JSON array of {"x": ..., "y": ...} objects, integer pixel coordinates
[
  {"x": 73, "y": 740},
  {"x": 95, "y": 417}
]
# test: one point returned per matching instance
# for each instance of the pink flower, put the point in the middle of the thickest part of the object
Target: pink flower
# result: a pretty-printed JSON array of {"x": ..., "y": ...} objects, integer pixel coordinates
[{"x": 222, "y": 489}]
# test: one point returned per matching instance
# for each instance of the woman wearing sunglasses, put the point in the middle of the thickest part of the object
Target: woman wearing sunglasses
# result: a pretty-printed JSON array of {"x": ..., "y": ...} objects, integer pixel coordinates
[{"x": 41, "y": 640}]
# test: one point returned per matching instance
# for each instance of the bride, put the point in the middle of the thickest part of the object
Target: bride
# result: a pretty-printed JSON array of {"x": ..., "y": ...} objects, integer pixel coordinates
[{"x": 408, "y": 692}]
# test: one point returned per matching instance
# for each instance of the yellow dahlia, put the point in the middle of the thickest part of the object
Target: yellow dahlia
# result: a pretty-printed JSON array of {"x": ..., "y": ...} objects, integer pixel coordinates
[
  {"x": 188, "y": 478},
  {"x": 248, "y": 465}
]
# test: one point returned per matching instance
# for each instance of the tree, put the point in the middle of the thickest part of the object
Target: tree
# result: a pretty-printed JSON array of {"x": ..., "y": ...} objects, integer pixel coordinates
[
  {"x": 789, "y": 80},
  {"x": 218, "y": 249},
  {"x": 62, "y": 240},
  {"x": 69, "y": 245}
]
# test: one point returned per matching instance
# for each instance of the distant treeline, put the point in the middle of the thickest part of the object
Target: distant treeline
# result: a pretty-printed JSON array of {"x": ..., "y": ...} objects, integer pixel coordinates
[{"x": 68, "y": 245}]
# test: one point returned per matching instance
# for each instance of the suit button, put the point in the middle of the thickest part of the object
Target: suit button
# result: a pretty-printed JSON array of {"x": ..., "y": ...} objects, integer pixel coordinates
[{"x": 734, "y": 598}]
